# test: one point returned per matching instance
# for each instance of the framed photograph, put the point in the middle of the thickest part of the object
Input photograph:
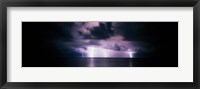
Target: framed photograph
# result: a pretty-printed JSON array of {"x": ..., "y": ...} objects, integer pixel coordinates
[{"x": 61, "y": 44}]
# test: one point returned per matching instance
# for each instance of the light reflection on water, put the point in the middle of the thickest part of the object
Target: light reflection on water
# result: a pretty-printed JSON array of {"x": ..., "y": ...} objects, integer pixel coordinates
[{"x": 104, "y": 62}]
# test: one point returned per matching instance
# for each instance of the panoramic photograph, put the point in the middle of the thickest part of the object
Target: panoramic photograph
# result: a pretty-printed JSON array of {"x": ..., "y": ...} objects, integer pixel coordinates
[{"x": 99, "y": 44}]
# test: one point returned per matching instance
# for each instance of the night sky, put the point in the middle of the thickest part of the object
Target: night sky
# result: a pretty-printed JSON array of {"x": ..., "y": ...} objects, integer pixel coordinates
[{"x": 99, "y": 44}]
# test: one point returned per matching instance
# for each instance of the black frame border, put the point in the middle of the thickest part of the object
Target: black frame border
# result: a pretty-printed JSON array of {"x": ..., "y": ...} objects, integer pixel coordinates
[{"x": 98, "y": 3}]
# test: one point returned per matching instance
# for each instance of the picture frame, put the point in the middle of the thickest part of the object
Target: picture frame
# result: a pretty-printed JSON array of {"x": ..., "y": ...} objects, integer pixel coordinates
[{"x": 103, "y": 3}]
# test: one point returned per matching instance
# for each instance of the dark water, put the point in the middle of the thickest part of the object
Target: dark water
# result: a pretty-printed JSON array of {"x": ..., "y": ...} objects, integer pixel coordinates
[
  {"x": 120, "y": 62},
  {"x": 105, "y": 62}
]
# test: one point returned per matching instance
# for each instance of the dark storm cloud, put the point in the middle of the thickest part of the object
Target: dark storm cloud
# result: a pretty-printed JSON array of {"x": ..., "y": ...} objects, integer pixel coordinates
[
  {"x": 91, "y": 30},
  {"x": 113, "y": 36}
]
